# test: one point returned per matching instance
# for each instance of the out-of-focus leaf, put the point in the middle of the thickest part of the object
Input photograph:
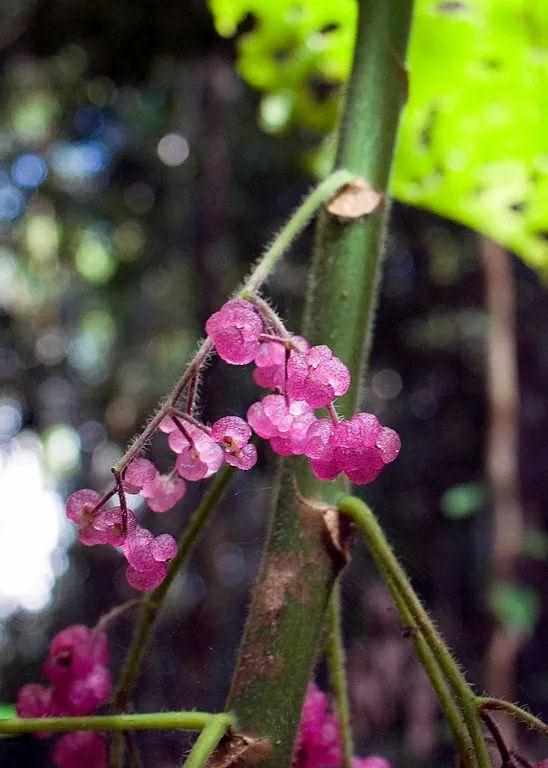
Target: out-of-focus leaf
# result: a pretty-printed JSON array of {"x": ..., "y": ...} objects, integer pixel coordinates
[
  {"x": 515, "y": 607},
  {"x": 473, "y": 144},
  {"x": 462, "y": 501}
]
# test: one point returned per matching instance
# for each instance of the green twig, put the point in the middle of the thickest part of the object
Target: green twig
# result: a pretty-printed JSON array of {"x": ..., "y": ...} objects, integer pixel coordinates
[
  {"x": 325, "y": 190},
  {"x": 155, "y": 721},
  {"x": 388, "y": 564},
  {"x": 337, "y": 674},
  {"x": 488, "y": 703},
  {"x": 207, "y": 741},
  {"x": 431, "y": 667}
]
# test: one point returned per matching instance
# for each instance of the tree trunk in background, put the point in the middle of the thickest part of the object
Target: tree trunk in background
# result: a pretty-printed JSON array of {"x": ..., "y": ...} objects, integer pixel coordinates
[{"x": 502, "y": 463}]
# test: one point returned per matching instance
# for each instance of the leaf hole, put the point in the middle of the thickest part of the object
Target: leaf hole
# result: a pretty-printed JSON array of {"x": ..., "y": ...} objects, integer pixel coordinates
[
  {"x": 327, "y": 29},
  {"x": 452, "y": 6}
]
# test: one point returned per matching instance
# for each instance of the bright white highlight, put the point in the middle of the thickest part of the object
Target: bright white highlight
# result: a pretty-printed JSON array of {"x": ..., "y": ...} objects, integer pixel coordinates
[{"x": 32, "y": 523}]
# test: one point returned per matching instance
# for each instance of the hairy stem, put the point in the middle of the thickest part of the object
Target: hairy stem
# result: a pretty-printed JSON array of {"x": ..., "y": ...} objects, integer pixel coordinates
[
  {"x": 207, "y": 741},
  {"x": 489, "y": 703},
  {"x": 155, "y": 721},
  {"x": 336, "y": 662},
  {"x": 388, "y": 564},
  {"x": 285, "y": 625},
  {"x": 435, "y": 675}
]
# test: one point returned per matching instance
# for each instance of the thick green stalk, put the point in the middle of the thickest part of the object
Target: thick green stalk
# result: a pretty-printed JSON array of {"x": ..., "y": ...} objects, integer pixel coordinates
[
  {"x": 207, "y": 741},
  {"x": 155, "y": 721},
  {"x": 388, "y": 564},
  {"x": 285, "y": 626}
]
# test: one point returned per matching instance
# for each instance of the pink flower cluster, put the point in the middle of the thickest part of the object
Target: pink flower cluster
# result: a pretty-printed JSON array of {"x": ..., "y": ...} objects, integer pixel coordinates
[
  {"x": 319, "y": 741},
  {"x": 77, "y": 670},
  {"x": 304, "y": 378}
]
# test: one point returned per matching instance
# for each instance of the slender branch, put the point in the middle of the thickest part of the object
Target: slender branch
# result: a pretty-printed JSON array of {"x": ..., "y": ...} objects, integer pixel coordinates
[
  {"x": 504, "y": 752},
  {"x": 489, "y": 703},
  {"x": 387, "y": 562},
  {"x": 152, "y": 604},
  {"x": 115, "y": 612},
  {"x": 207, "y": 741},
  {"x": 325, "y": 190},
  {"x": 155, "y": 721},
  {"x": 337, "y": 674},
  {"x": 432, "y": 669}
]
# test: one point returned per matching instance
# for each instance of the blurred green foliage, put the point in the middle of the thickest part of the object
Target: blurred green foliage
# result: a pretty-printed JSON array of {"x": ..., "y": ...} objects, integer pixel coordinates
[
  {"x": 517, "y": 608},
  {"x": 462, "y": 501},
  {"x": 472, "y": 145}
]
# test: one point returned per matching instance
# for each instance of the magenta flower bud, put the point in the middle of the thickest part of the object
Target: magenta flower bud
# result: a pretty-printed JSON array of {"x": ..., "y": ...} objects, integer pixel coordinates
[{"x": 81, "y": 749}]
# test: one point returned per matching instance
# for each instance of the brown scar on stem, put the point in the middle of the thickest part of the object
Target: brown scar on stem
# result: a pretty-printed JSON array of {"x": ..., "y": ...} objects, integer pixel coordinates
[
  {"x": 357, "y": 198},
  {"x": 236, "y": 750}
]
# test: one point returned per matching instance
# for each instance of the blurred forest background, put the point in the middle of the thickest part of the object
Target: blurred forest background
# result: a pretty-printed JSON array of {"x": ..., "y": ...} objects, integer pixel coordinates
[{"x": 136, "y": 188}]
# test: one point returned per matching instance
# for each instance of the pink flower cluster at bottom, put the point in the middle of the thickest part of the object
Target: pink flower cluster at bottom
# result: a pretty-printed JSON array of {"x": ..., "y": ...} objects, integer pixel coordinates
[
  {"x": 319, "y": 740},
  {"x": 77, "y": 669}
]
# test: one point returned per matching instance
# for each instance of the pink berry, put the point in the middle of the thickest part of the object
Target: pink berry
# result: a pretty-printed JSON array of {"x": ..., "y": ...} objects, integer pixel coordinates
[
  {"x": 319, "y": 742},
  {"x": 355, "y": 450},
  {"x": 34, "y": 700},
  {"x": 73, "y": 653},
  {"x": 177, "y": 441},
  {"x": 163, "y": 492},
  {"x": 389, "y": 444},
  {"x": 80, "y": 749},
  {"x": 270, "y": 362},
  {"x": 372, "y": 761},
  {"x": 286, "y": 426},
  {"x": 316, "y": 376},
  {"x": 163, "y": 548},
  {"x": 235, "y": 331},
  {"x": 200, "y": 460},
  {"x": 80, "y": 504},
  {"x": 232, "y": 434},
  {"x": 147, "y": 557},
  {"x": 137, "y": 473},
  {"x": 108, "y": 526},
  {"x": 146, "y": 581},
  {"x": 85, "y": 695}
]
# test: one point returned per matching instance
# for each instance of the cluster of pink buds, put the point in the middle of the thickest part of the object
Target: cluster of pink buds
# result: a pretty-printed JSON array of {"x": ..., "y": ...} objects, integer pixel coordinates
[
  {"x": 319, "y": 740},
  {"x": 77, "y": 670},
  {"x": 304, "y": 378}
]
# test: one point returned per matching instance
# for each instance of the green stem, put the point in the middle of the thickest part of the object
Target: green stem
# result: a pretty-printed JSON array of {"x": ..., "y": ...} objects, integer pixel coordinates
[
  {"x": 155, "y": 721},
  {"x": 285, "y": 624},
  {"x": 207, "y": 741},
  {"x": 337, "y": 674},
  {"x": 432, "y": 669},
  {"x": 325, "y": 190},
  {"x": 387, "y": 562},
  {"x": 488, "y": 703}
]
